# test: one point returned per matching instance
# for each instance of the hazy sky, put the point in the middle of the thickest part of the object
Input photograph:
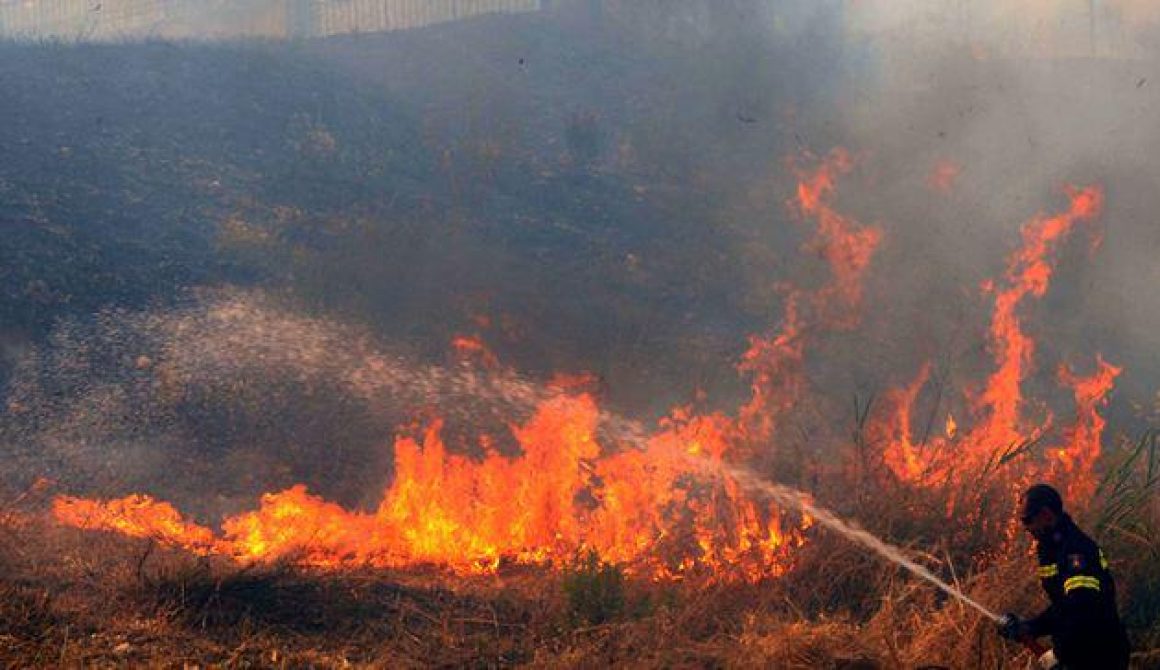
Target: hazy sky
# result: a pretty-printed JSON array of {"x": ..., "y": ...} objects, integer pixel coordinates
[{"x": 1041, "y": 27}]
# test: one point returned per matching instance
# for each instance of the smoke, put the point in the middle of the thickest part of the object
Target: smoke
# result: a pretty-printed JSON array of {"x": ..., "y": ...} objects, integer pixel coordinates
[
  {"x": 231, "y": 393},
  {"x": 607, "y": 191},
  {"x": 1013, "y": 102},
  {"x": 967, "y": 120},
  {"x": 227, "y": 393}
]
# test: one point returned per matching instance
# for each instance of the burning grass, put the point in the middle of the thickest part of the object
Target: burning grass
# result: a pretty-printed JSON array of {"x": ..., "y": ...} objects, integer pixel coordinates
[
  {"x": 590, "y": 540},
  {"x": 143, "y": 605},
  {"x": 108, "y": 601},
  {"x": 78, "y": 598}
]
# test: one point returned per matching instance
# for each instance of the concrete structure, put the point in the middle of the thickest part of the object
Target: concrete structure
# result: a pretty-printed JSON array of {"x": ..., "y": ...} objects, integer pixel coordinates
[
  {"x": 1044, "y": 29},
  {"x": 106, "y": 20}
]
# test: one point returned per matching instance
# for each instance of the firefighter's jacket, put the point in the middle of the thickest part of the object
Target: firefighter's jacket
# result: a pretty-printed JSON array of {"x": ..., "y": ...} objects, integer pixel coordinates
[{"x": 1082, "y": 620}]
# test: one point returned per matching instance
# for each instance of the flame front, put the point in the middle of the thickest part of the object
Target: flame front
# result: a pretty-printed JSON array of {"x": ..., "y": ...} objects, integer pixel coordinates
[
  {"x": 136, "y": 516},
  {"x": 648, "y": 505},
  {"x": 562, "y": 494}
]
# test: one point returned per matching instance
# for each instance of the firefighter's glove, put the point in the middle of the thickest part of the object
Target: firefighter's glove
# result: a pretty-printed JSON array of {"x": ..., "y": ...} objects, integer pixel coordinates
[
  {"x": 1012, "y": 627},
  {"x": 1048, "y": 661}
]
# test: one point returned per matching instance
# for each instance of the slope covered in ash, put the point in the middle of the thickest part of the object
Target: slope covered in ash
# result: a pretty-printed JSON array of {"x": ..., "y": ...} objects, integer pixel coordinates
[
  {"x": 590, "y": 196},
  {"x": 513, "y": 166},
  {"x": 121, "y": 162},
  {"x": 595, "y": 216}
]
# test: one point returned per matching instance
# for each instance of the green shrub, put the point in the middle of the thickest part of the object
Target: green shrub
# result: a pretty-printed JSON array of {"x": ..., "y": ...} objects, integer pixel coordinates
[
  {"x": 595, "y": 590},
  {"x": 1128, "y": 524}
]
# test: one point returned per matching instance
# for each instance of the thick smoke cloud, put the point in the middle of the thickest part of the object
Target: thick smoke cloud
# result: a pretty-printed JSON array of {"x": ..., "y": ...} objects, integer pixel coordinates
[
  {"x": 1020, "y": 100},
  {"x": 598, "y": 186}
]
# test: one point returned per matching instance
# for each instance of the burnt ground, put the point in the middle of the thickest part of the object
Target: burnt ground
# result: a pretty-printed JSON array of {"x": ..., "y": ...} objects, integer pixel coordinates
[{"x": 593, "y": 207}]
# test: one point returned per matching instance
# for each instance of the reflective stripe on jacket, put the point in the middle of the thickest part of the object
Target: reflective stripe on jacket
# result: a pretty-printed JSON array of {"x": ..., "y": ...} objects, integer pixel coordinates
[{"x": 1082, "y": 619}]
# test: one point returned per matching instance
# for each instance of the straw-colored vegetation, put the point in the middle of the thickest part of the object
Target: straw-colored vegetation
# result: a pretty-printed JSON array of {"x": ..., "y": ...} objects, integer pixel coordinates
[
  {"x": 87, "y": 599},
  {"x": 139, "y": 171}
]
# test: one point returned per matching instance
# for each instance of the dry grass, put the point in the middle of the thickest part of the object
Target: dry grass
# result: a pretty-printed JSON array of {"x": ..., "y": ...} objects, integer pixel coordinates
[
  {"x": 82, "y": 599},
  {"x": 89, "y": 600},
  {"x": 75, "y": 599}
]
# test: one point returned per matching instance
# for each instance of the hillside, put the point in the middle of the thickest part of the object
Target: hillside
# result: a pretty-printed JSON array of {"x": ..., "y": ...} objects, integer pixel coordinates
[{"x": 543, "y": 340}]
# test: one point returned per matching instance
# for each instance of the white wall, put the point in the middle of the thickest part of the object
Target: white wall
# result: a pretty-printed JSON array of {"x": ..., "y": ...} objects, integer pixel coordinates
[{"x": 208, "y": 19}]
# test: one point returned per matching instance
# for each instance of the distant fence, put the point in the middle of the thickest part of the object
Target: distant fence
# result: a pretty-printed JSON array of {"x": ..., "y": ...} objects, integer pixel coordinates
[
  {"x": 1009, "y": 28},
  {"x": 210, "y": 19},
  {"x": 347, "y": 16}
]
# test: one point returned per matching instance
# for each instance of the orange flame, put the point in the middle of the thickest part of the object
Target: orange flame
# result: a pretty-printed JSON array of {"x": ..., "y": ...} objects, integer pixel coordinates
[
  {"x": 1083, "y": 438},
  {"x": 647, "y": 507},
  {"x": 901, "y": 454},
  {"x": 136, "y": 516},
  {"x": 943, "y": 176},
  {"x": 997, "y": 420},
  {"x": 650, "y": 507},
  {"x": 560, "y": 495},
  {"x": 1029, "y": 273},
  {"x": 775, "y": 362},
  {"x": 847, "y": 246}
]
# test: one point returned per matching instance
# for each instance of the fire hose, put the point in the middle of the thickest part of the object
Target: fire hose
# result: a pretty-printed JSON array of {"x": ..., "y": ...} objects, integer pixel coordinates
[{"x": 1010, "y": 625}]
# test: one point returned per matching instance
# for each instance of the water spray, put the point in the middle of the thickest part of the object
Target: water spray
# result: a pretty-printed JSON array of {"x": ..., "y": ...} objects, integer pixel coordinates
[
  {"x": 794, "y": 498},
  {"x": 373, "y": 375},
  {"x": 515, "y": 391}
]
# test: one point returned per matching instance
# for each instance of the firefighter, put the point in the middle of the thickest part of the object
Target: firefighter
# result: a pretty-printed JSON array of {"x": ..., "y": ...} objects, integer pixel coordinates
[{"x": 1082, "y": 621}]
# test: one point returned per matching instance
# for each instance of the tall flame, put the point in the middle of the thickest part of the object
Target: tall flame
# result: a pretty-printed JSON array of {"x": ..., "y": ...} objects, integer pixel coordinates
[
  {"x": 562, "y": 494},
  {"x": 775, "y": 362},
  {"x": 568, "y": 487},
  {"x": 1082, "y": 440},
  {"x": 997, "y": 420},
  {"x": 1028, "y": 273},
  {"x": 644, "y": 506},
  {"x": 902, "y": 455}
]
